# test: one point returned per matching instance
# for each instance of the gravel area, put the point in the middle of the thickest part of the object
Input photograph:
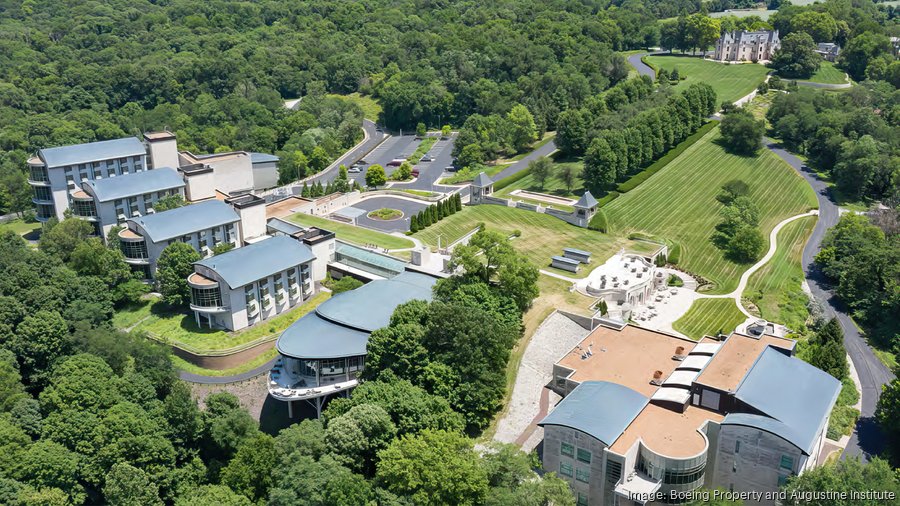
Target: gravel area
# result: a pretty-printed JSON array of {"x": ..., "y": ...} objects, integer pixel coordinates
[
  {"x": 556, "y": 336},
  {"x": 252, "y": 393}
]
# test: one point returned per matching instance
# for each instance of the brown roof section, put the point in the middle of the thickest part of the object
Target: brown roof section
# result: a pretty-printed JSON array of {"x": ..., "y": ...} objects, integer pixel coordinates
[
  {"x": 737, "y": 354},
  {"x": 199, "y": 279},
  {"x": 667, "y": 432},
  {"x": 127, "y": 233},
  {"x": 80, "y": 194},
  {"x": 158, "y": 136},
  {"x": 283, "y": 208},
  {"x": 628, "y": 357}
]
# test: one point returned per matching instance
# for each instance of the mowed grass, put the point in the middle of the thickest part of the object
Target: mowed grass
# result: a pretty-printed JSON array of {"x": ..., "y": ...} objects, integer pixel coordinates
[
  {"x": 708, "y": 317},
  {"x": 553, "y": 185},
  {"x": 543, "y": 236},
  {"x": 21, "y": 227},
  {"x": 679, "y": 203},
  {"x": 731, "y": 82},
  {"x": 828, "y": 74},
  {"x": 370, "y": 107},
  {"x": 352, "y": 233},
  {"x": 776, "y": 287}
]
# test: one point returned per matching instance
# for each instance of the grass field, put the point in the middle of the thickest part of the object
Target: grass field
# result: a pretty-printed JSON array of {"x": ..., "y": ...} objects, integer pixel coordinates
[
  {"x": 552, "y": 185},
  {"x": 542, "y": 235},
  {"x": 181, "y": 329},
  {"x": 678, "y": 203},
  {"x": 709, "y": 317},
  {"x": 20, "y": 227},
  {"x": 186, "y": 366},
  {"x": 775, "y": 288},
  {"x": 350, "y": 233},
  {"x": 763, "y": 14},
  {"x": 731, "y": 82},
  {"x": 370, "y": 107},
  {"x": 828, "y": 74}
]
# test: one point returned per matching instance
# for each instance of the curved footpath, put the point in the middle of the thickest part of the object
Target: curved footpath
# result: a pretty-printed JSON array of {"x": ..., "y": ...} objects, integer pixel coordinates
[{"x": 867, "y": 439}]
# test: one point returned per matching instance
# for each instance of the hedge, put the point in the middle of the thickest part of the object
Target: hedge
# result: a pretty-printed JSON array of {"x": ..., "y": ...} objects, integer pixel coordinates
[
  {"x": 508, "y": 180},
  {"x": 609, "y": 197},
  {"x": 632, "y": 182},
  {"x": 598, "y": 222}
]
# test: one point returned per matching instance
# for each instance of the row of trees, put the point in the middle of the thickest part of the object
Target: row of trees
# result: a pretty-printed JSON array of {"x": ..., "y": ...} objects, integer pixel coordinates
[
  {"x": 485, "y": 138},
  {"x": 848, "y": 136},
  {"x": 614, "y": 154},
  {"x": 738, "y": 235},
  {"x": 435, "y": 213},
  {"x": 340, "y": 184}
]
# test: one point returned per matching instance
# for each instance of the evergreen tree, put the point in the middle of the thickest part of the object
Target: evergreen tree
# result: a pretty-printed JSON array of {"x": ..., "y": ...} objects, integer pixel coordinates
[
  {"x": 305, "y": 192},
  {"x": 414, "y": 223}
]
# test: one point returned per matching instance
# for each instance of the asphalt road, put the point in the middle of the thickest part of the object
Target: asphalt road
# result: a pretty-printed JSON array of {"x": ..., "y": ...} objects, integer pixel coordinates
[
  {"x": 373, "y": 141},
  {"x": 431, "y": 172},
  {"x": 867, "y": 439},
  {"x": 522, "y": 164},
  {"x": 406, "y": 206},
  {"x": 392, "y": 147},
  {"x": 642, "y": 68}
]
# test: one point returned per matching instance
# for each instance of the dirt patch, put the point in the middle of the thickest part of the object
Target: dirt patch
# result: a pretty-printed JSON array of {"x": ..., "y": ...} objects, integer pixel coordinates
[{"x": 252, "y": 393}]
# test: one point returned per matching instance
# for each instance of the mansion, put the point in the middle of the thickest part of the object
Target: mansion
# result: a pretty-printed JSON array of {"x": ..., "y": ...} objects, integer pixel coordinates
[{"x": 741, "y": 46}]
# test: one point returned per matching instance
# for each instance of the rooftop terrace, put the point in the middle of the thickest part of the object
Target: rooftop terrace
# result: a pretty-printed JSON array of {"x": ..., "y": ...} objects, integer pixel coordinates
[
  {"x": 667, "y": 432},
  {"x": 735, "y": 358}
]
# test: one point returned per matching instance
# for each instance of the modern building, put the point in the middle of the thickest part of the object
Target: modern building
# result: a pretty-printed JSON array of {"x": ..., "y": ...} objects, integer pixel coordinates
[
  {"x": 649, "y": 417},
  {"x": 110, "y": 201},
  {"x": 55, "y": 173},
  {"x": 244, "y": 286},
  {"x": 741, "y": 46},
  {"x": 265, "y": 170},
  {"x": 323, "y": 353},
  {"x": 202, "y": 225}
]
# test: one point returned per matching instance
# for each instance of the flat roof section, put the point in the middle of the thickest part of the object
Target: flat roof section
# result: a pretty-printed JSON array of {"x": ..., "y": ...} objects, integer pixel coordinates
[
  {"x": 735, "y": 357},
  {"x": 667, "y": 432},
  {"x": 628, "y": 357}
]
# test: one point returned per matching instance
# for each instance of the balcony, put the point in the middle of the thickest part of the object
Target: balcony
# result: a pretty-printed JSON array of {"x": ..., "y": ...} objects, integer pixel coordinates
[
  {"x": 205, "y": 294},
  {"x": 37, "y": 174}
]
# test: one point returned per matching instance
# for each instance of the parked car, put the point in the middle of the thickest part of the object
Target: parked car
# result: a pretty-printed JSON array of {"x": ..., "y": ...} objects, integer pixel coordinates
[
  {"x": 356, "y": 169},
  {"x": 415, "y": 172},
  {"x": 361, "y": 162},
  {"x": 426, "y": 158},
  {"x": 396, "y": 162},
  {"x": 450, "y": 168}
]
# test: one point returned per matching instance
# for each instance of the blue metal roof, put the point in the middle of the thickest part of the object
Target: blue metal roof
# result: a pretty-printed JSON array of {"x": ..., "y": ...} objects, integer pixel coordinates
[
  {"x": 241, "y": 266},
  {"x": 796, "y": 394},
  {"x": 370, "y": 306},
  {"x": 129, "y": 185},
  {"x": 577, "y": 251},
  {"x": 279, "y": 225},
  {"x": 186, "y": 220},
  {"x": 565, "y": 260},
  {"x": 263, "y": 158},
  {"x": 598, "y": 408},
  {"x": 341, "y": 325},
  {"x": 365, "y": 259},
  {"x": 767, "y": 424},
  {"x": 92, "y": 152}
]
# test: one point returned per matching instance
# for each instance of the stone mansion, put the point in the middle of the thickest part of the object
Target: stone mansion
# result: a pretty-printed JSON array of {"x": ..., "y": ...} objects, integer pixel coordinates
[{"x": 741, "y": 46}]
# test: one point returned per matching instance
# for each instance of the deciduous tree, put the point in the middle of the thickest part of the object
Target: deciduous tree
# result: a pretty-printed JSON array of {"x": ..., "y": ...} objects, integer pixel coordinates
[{"x": 175, "y": 264}]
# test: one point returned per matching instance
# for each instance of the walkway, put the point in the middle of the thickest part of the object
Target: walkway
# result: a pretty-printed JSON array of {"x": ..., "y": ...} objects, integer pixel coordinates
[
  {"x": 867, "y": 439},
  {"x": 642, "y": 68}
]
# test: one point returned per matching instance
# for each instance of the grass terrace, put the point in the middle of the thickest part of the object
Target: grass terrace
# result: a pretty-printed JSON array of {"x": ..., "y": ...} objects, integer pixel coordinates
[
  {"x": 352, "y": 233},
  {"x": 186, "y": 366},
  {"x": 678, "y": 203},
  {"x": 542, "y": 235},
  {"x": 709, "y": 317},
  {"x": 180, "y": 329},
  {"x": 731, "y": 82},
  {"x": 828, "y": 74},
  {"x": 21, "y": 227},
  {"x": 370, "y": 107},
  {"x": 552, "y": 185},
  {"x": 775, "y": 289}
]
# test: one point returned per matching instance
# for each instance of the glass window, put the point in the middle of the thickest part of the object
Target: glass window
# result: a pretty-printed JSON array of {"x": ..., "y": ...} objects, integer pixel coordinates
[
  {"x": 565, "y": 469},
  {"x": 249, "y": 294},
  {"x": 584, "y": 456},
  {"x": 567, "y": 449},
  {"x": 583, "y": 475},
  {"x": 133, "y": 205},
  {"x": 206, "y": 297},
  {"x": 582, "y": 499},
  {"x": 787, "y": 462},
  {"x": 782, "y": 480}
]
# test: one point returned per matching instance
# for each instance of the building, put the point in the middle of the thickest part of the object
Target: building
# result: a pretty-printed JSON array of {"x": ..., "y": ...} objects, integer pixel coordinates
[
  {"x": 244, "y": 286},
  {"x": 741, "y": 46},
  {"x": 265, "y": 170},
  {"x": 829, "y": 51},
  {"x": 203, "y": 225},
  {"x": 55, "y": 173},
  {"x": 649, "y": 417},
  {"x": 110, "y": 201},
  {"x": 323, "y": 353}
]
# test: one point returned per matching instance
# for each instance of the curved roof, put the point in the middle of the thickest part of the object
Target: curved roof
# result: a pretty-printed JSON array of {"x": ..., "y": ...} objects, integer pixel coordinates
[
  {"x": 598, "y": 408},
  {"x": 767, "y": 424},
  {"x": 129, "y": 185},
  {"x": 796, "y": 394},
  {"x": 341, "y": 325},
  {"x": 262, "y": 158},
  {"x": 186, "y": 220},
  {"x": 241, "y": 266},
  {"x": 92, "y": 152}
]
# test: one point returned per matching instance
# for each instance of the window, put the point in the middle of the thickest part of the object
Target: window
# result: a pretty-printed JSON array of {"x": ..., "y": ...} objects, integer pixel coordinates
[
  {"x": 206, "y": 297},
  {"x": 782, "y": 480},
  {"x": 583, "y": 475},
  {"x": 133, "y": 206},
  {"x": 565, "y": 469},
  {"x": 567, "y": 449},
  {"x": 84, "y": 208},
  {"x": 787, "y": 462},
  {"x": 148, "y": 201},
  {"x": 582, "y": 500},
  {"x": 737, "y": 446},
  {"x": 584, "y": 456},
  {"x": 43, "y": 193},
  {"x": 279, "y": 290},
  {"x": 229, "y": 232}
]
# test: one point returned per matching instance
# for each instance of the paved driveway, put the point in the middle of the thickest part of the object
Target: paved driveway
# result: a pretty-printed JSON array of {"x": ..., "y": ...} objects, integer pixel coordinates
[
  {"x": 867, "y": 438},
  {"x": 642, "y": 68},
  {"x": 431, "y": 172},
  {"x": 408, "y": 207}
]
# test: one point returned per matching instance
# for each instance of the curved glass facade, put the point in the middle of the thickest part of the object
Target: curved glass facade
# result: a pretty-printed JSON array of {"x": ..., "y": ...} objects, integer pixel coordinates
[{"x": 677, "y": 475}]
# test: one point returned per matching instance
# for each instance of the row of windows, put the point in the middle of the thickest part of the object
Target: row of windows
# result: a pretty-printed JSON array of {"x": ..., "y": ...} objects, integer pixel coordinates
[
  {"x": 43, "y": 193},
  {"x": 582, "y": 474},
  {"x": 569, "y": 451},
  {"x": 787, "y": 462},
  {"x": 108, "y": 168},
  {"x": 206, "y": 297},
  {"x": 128, "y": 207},
  {"x": 671, "y": 476}
]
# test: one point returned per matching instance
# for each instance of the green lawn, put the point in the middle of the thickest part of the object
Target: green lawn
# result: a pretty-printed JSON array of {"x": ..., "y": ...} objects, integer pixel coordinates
[
  {"x": 709, "y": 317},
  {"x": 351, "y": 233},
  {"x": 763, "y": 14},
  {"x": 678, "y": 204},
  {"x": 370, "y": 107},
  {"x": 828, "y": 74},
  {"x": 552, "y": 185},
  {"x": 186, "y": 366},
  {"x": 180, "y": 328},
  {"x": 543, "y": 236},
  {"x": 731, "y": 82},
  {"x": 775, "y": 288},
  {"x": 469, "y": 174},
  {"x": 20, "y": 227},
  {"x": 420, "y": 193}
]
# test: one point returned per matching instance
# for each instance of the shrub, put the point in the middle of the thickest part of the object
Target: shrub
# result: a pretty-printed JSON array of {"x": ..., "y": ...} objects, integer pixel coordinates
[
  {"x": 609, "y": 197},
  {"x": 599, "y": 222}
]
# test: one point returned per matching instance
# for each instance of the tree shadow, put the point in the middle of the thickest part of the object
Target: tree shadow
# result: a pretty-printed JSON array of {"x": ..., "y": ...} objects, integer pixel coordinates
[{"x": 731, "y": 151}]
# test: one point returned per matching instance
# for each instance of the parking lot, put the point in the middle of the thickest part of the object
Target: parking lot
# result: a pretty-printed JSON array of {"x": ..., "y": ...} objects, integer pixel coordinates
[
  {"x": 393, "y": 147},
  {"x": 406, "y": 206}
]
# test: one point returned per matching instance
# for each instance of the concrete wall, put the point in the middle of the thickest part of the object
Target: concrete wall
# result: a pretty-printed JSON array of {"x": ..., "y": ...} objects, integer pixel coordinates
[
  {"x": 572, "y": 218},
  {"x": 200, "y": 186},
  {"x": 253, "y": 220},
  {"x": 554, "y": 436},
  {"x": 756, "y": 465},
  {"x": 326, "y": 205},
  {"x": 265, "y": 175},
  {"x": 232, "y": 173},
  {"x": 163, "y": 153}
]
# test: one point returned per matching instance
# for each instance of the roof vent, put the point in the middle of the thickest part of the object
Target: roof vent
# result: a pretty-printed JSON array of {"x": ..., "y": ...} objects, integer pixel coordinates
[
  {"x": 679, "y": 354},
  {"x": 657, "y": 378}
]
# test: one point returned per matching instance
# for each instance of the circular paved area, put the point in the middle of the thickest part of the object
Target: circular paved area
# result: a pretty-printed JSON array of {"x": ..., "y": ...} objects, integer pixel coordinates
[{"x": 407, "y": 207}]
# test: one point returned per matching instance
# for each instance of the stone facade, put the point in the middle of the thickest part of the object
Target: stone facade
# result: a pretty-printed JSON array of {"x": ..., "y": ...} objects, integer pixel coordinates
[{"x": 741, "y": 46}]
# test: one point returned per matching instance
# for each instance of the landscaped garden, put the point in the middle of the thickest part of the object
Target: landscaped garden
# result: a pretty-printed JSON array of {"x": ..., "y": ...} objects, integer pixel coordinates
[
  {"x": 708, "y": 317},
  {"x": 179, "y": 328},
  {"x": 469, "y": 174},
  {"x": 679, "y": 204},
  {"x": 350, "y": 233},
  {"x": 731, "y": 82},
  {"x": 385, "y": 214},
  {"x": 775, "y": 289}
]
